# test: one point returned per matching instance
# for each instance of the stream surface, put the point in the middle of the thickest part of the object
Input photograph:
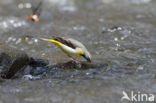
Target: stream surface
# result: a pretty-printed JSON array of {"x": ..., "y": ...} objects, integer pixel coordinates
[{"x": 120, "y": 34}]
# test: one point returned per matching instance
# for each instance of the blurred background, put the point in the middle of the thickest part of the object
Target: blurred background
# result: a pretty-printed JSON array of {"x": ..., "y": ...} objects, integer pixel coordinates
[{"x": 120, "y": 34}]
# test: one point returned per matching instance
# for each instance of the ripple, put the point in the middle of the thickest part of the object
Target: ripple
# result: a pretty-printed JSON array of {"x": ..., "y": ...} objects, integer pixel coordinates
[
  {"x": 30, "y": 77},
  {"x": 107, "y": 1},
  {"x": 24, "y": 5},
  {"x": 140, "y": 1},
  {"x": 79, "y": 28},
  {"x": 11, "y": 23},
  {"x": 64, "y": 5},
  {"x": 22, "y": 41},
  {"x": 115, "y": 28},
  {"x": 140, "y": 67}
]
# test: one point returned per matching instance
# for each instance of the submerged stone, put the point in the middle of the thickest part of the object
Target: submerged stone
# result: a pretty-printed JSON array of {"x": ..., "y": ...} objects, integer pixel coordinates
[
  {"x": 81, "y": 65},
  {"x": 12, "y": 61},
  {"x": 35, "y": 62}
]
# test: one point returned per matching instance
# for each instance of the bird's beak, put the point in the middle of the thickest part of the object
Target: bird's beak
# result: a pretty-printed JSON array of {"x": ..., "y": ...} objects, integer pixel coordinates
[{"x": 88, "y": 59}]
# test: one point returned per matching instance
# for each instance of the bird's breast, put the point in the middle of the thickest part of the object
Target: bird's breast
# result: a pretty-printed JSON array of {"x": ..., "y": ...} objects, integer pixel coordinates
[{"x": 68, "y": 49}]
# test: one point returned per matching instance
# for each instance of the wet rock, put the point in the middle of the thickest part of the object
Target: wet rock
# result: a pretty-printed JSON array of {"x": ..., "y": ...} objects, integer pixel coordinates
[
  {"x": 36, "y": 66},
  {"x": 34, "y": 62},
  {"x": 40, "y": 67},
  {"x": 12, "y": 61},
  {"x": 82, "y": 65},
  {"x": 35, "y": 71}
]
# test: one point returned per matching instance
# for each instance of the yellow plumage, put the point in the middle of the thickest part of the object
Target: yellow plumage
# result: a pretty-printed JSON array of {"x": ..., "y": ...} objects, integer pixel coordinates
[
  {"x": 65, "y": 48},
  {"x": 78, "y": 50}
]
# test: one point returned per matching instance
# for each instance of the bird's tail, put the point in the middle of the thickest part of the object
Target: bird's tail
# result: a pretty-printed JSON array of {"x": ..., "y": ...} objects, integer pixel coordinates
[{"x": 53, "y": 41}]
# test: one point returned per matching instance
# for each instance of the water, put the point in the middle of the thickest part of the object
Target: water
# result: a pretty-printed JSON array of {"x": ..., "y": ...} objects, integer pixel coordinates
[{"x": 118, "y": 33}]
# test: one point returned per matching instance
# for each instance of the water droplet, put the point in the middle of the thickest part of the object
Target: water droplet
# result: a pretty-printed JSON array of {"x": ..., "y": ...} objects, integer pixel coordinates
[
  {"x": 101, "y": 20},
  {"x": 122, "y": 38},
  {"x": 18, "y": 41},
  {"x": 118, "y": 45},
  {"x": 22, "y": 49},
  {"x": 13, "y": 39},
  {"x": 119, "y": 28},
  {"x": 107, "y": 1},
  {"x": 15, "y": 25},
  {"x": 19, "y": 24},
  {"x": 30, "y": 42},
  {"x": 43, "y": 54},
  {"x": 140, "y": 68},
  {"x": 26, "y": 38},
  {"x": 69, "y": 8},
  {"x": 35, "y": 40},
  {"x": 87, "y": 73},
  {"x": 28, "y": 5},
  {"x": 20, "y": 6},
  {"x": 27, "y": 77},
  {"x": 9, "y": 39},
  {"x": 11, "y": 21},
  {"x": 4, "y": 24},
  {"x": 116, "y": 39}
]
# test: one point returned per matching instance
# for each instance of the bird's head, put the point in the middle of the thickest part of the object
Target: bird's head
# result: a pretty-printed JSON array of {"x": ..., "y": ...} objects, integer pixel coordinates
[
  {"x": 33, "y": 17},
  {"x": 84, "y": 53},
  {"x": 87, "y": 56}
]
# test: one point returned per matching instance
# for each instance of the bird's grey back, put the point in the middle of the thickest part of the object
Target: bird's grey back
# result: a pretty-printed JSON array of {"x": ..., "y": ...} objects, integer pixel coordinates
[{"x": 80, "y": 45}]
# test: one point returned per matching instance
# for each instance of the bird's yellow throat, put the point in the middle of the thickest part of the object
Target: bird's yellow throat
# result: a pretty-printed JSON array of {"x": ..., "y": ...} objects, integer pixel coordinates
[{"x": 79, "y": 51}]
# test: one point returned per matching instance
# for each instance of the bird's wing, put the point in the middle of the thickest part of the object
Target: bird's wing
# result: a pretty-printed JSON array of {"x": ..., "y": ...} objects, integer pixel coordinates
[
  {"x": 77, "y": 43},
  {"x": 64, "y": 41},
  {"x": 37, "y": 10}
]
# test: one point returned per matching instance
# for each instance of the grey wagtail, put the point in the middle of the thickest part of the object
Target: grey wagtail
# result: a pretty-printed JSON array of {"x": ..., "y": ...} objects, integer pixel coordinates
[{"x": 70, "y": 47}]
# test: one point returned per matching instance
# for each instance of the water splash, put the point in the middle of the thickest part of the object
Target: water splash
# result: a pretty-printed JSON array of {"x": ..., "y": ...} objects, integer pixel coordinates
[
  {"x": 24, "y": 5},
  {"x": 11, "y": 23}
]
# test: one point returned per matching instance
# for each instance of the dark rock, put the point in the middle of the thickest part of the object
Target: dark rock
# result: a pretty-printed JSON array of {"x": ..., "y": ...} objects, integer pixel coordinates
[
  {"x": 34, "y": 62},
  {"x": 81, "y": 65},
  {"x": 11, "y": 61},
  {"x": 29, "y": 70},
  {"x": 36, "y": 66}
]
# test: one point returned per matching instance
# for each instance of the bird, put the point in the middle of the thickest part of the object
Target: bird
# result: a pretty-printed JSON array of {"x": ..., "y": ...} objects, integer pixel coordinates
[
  {"x": 36, "y": 11},
  {"x": 71, "y": 47}
]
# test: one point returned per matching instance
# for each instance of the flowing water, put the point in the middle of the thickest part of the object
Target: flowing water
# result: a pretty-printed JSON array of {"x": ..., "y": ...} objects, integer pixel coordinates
[{"x": 120, "y": 34}]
